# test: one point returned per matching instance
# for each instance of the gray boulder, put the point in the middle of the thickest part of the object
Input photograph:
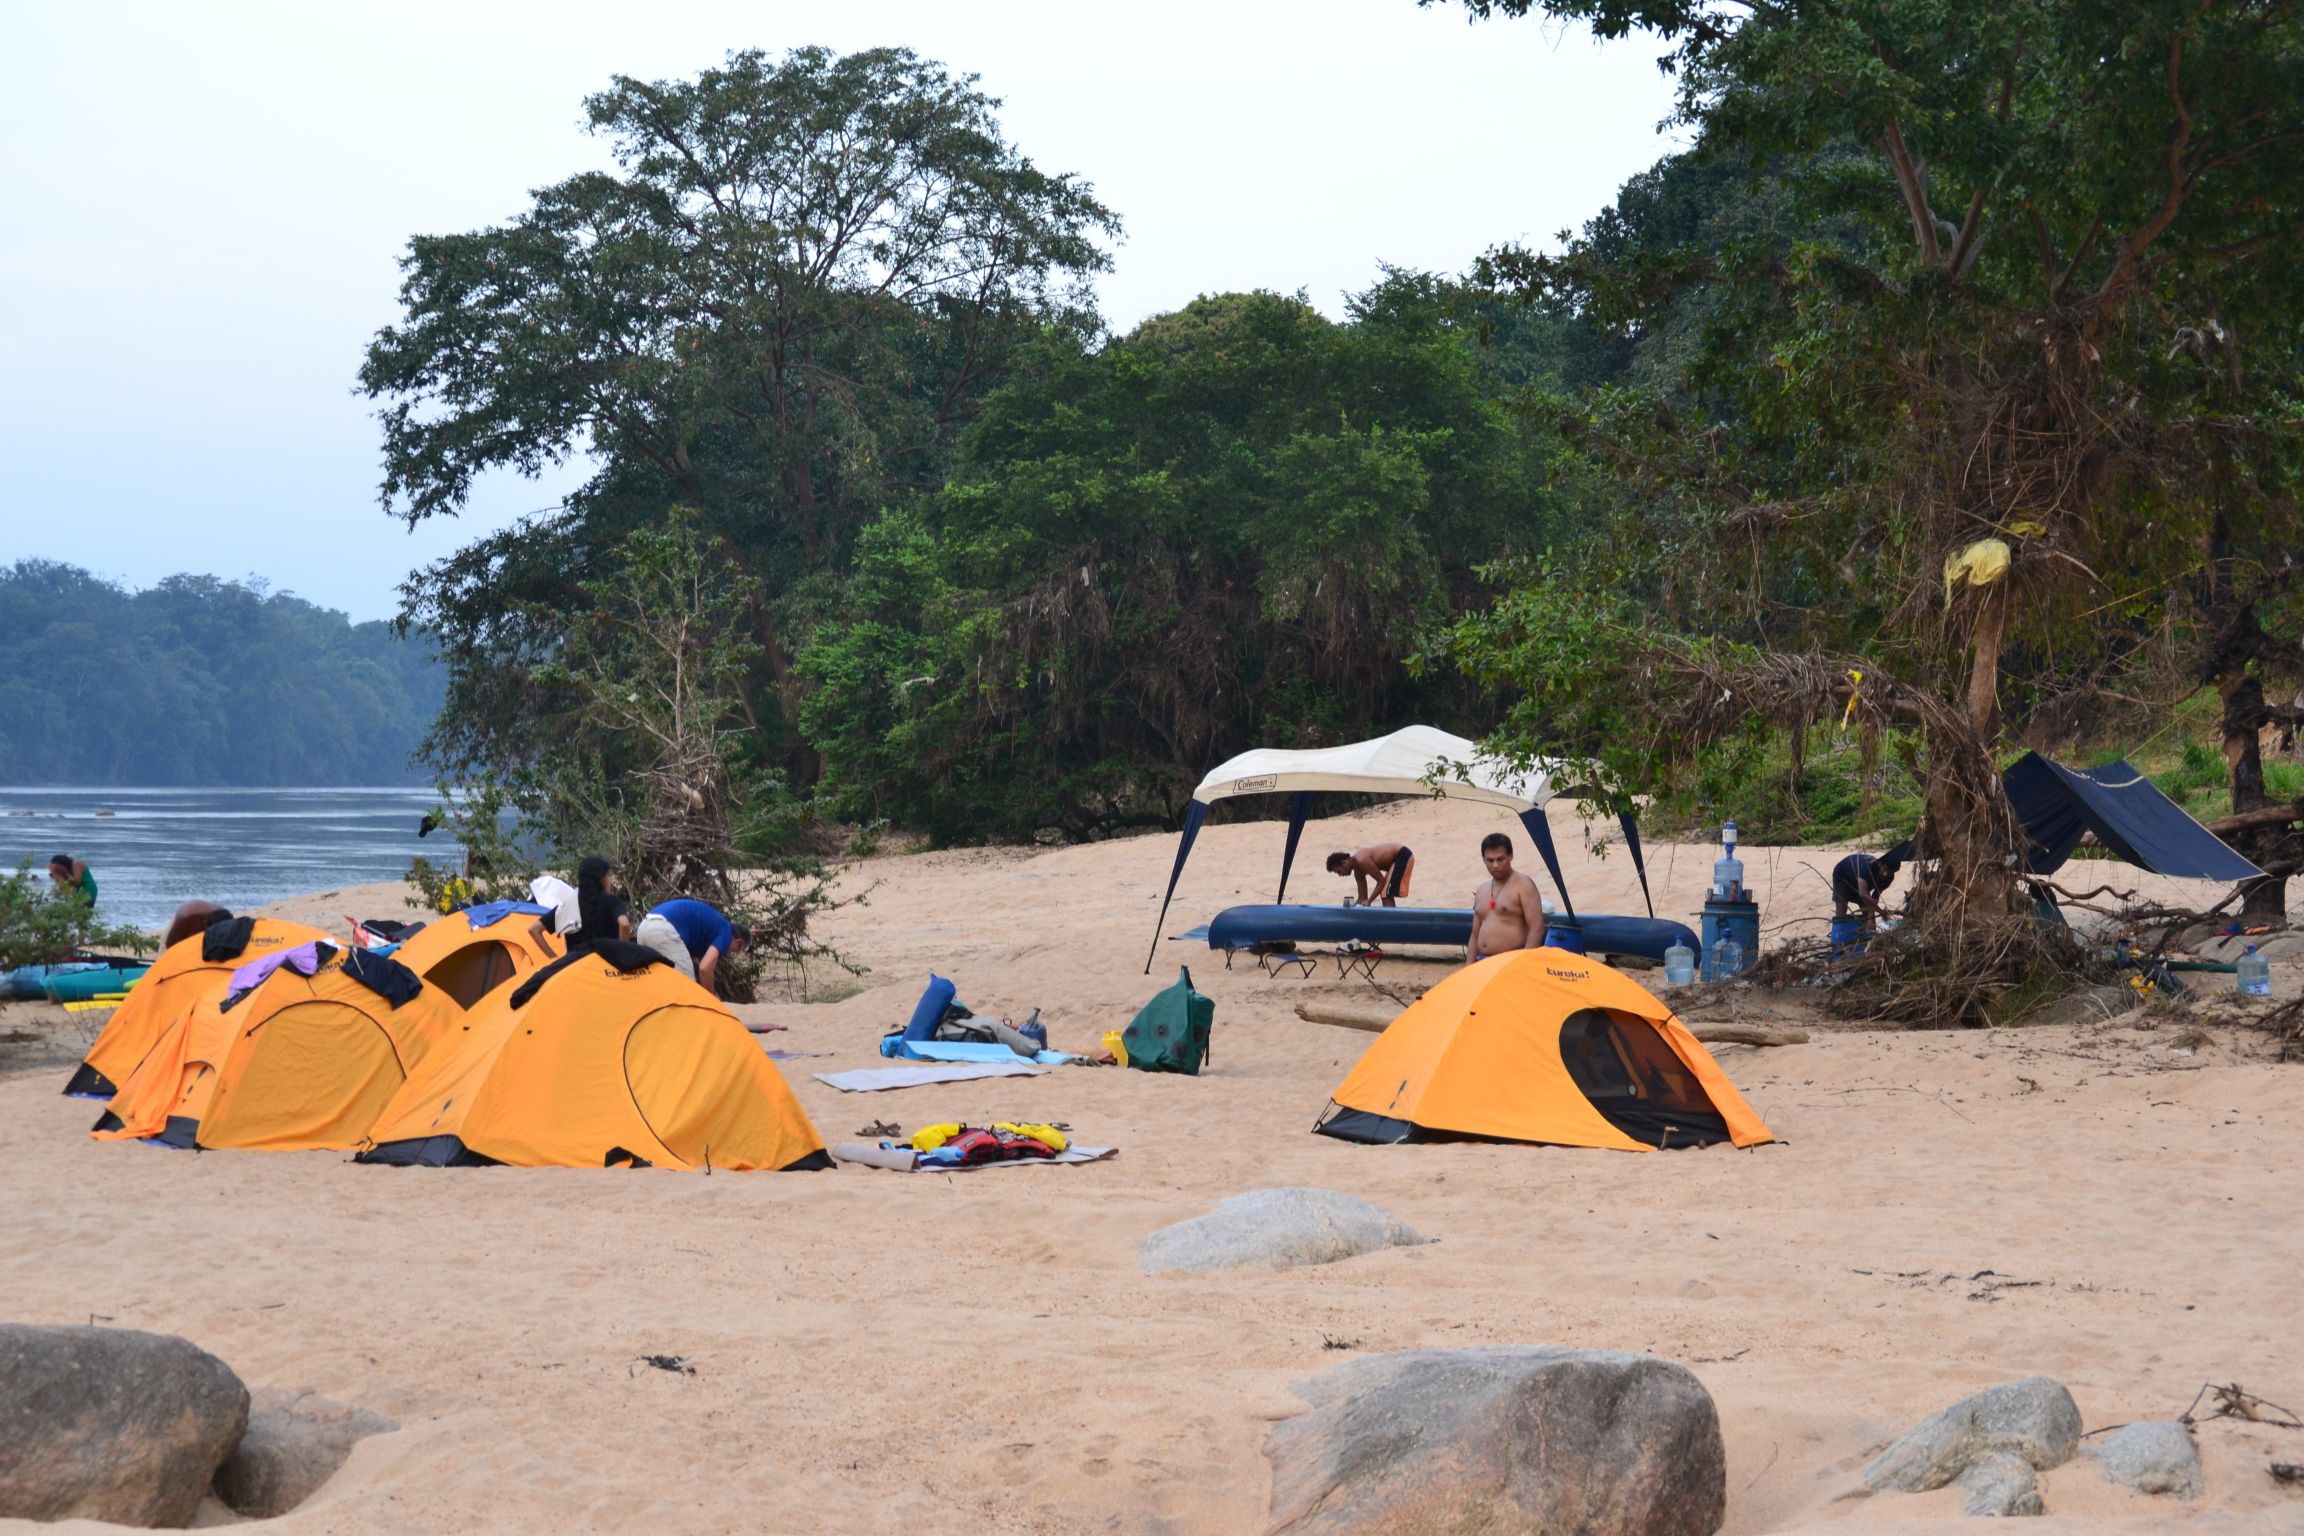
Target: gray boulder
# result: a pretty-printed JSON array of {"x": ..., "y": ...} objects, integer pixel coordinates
[
  {"x": 2000, "y": 1483},
  {"x": 2157, "y": 1456},
  {"x": 111, "y": 1424},
  {"x": 1518, "y": 1438},
  {"x": 1990, "y": 1444},
  {"x": 2280, "y": 946},
  {"x": 1281, "y": 1228},
  {"x": 295, "y": 1442}
]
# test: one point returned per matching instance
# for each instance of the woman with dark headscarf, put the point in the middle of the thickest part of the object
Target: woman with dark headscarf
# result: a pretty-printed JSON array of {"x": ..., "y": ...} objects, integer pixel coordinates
[{"x": 600, "y": 911}]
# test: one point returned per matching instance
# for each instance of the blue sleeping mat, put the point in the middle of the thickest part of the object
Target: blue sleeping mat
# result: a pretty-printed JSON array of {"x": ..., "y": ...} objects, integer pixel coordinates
[{"x": 1241, "y": 927}]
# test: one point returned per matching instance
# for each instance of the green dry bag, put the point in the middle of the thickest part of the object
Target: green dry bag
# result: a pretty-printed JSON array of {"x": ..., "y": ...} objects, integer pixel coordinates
[{"x": 1170, "y": 1033}]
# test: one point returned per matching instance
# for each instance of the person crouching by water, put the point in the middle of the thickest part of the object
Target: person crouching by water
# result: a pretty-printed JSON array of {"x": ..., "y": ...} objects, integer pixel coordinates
[
  {"x": 1507, "y": 914},
  {"x": 692, "y": 935},
  {"x": 1382, "y": 871},
  {"x": 71, "y": 874}
]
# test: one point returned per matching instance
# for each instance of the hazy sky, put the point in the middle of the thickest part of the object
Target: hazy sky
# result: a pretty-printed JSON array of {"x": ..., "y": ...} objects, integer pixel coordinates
[{"x": 205, "y": 203}]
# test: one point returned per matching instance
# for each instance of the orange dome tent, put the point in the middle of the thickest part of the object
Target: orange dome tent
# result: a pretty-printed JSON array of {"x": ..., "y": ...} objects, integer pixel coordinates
[
  {"x": 467, "y": 962},
  {"x": 292, "y": 1063},
  {"x": 179, "y": 981},
  {"x": 1545, "y": 1046},
  {"x": 587, "y": 1064}
]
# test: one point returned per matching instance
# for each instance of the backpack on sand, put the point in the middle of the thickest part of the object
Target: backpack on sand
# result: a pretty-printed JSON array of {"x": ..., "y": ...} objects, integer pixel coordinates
[{"x": 1171, "y": 1032}]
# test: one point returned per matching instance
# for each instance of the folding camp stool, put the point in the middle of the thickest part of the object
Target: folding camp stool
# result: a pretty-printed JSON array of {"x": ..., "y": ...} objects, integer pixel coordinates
[
  {"x": 1354, "y": 955},
  {"x": 1273, "y": 961}
]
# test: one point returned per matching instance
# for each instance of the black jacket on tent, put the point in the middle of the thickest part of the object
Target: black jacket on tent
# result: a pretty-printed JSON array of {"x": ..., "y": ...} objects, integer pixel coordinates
[{"x": 2126, "y": 811}]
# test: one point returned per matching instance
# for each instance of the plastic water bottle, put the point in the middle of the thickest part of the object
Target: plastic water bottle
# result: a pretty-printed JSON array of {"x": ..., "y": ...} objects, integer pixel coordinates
[
  {"x": 1728, "y": 871},
  {"x": 1679, "y": 965},
  {"x": 2253, "y": 974},
  {"x": 1724, "y": 959}
]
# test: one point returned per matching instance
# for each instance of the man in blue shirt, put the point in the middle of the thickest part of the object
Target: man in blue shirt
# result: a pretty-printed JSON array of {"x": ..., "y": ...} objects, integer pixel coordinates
[
  {"x": 692, "y": 935},
  {"x": 1860, "y": 880}
]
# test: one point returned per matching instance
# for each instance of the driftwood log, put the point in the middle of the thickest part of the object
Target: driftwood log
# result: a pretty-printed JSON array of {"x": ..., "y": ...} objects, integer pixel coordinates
[{"x": 1712, "y": 1034}]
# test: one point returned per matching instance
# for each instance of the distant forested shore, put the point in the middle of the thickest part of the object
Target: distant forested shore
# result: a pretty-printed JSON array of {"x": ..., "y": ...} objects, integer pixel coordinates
[{"x": 201, "y": 681}]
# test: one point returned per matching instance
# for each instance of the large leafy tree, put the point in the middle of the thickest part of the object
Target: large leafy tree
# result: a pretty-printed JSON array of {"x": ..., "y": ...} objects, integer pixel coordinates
[
  {"x": 1229, "y": 527},
  {"x": 1967, "y": 430},
  {"x": 778, "y": 308}
]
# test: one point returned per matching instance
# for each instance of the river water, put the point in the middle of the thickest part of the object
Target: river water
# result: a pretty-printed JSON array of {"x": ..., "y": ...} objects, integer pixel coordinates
[{"x": 240, "y": 847}]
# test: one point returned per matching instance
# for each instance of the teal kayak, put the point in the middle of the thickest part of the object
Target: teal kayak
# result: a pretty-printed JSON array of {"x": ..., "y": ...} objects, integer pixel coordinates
[
  {"x": 26, "y": 980},
  {"x": 79, "y": 986}
]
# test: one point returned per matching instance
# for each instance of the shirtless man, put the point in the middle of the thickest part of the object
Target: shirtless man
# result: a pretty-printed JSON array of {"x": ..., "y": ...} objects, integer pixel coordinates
[
  {"x": 1384, "y": 869},
  {"x": 1507, "y": 913}
]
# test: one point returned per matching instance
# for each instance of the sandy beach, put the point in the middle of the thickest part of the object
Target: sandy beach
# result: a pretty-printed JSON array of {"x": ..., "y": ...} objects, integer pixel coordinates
[{"x": 2110, "y": 1205}]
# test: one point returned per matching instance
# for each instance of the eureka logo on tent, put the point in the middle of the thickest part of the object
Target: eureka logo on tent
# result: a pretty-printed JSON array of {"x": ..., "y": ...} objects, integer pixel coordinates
[{"x": 1553, "y": 970}]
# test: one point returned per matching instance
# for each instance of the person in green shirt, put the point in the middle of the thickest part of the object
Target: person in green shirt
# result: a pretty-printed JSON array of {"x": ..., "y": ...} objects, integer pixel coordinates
[{"x": 70, "y": 874}]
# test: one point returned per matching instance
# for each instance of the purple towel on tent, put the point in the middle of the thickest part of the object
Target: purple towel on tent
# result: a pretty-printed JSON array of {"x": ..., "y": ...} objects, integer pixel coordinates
[{"x": 304, "y": 959}]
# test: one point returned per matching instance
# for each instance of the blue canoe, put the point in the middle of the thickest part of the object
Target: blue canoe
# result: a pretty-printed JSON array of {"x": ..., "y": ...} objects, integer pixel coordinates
[{"x": 1598, "y": 932}]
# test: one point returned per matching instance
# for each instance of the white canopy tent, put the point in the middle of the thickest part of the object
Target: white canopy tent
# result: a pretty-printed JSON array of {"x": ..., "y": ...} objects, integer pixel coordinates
[{"x": 1414, "y": 760}]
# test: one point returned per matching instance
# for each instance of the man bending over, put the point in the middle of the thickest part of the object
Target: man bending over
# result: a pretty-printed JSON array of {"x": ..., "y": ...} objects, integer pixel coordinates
[
  {"x": 1383, "y": 870},
  {"x": 693, "y": 936},
  {"x": 1507, "y": 913}
]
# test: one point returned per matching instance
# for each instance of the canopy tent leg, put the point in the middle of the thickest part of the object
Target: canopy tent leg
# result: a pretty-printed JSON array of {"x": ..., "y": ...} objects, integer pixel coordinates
[
  {"x": 1192, "y": 820},
  {"x": 1540, "y": 831},
  {"x": 1299, "y": 807},
  {"x": 1631, "y": 826}
]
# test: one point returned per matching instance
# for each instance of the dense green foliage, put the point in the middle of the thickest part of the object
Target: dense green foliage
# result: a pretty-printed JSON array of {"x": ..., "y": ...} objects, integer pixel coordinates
[
  {"x": 199, "y": 681},
  {"x": 2007, "y": 412},
  {"x": 777, "y": 311},
  {"x": 1008, "y": 576},
  {"x": 1228, "y": 528}
]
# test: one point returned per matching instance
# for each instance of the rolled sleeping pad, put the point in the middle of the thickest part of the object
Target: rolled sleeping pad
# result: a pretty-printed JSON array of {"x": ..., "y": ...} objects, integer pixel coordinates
[
  {"x": 79, "y": 986},
  {"x": 929, "y": 1012},
  {"x": 1603, "y": 934}
]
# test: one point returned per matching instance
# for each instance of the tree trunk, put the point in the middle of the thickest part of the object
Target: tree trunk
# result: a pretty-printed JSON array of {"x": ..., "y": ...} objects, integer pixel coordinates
[{"x": 2262, "y": 901}]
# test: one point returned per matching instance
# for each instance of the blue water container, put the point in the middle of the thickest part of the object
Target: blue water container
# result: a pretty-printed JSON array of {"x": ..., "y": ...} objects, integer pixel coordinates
[
  {"x": 1848, "y": 936},
  {"x": 1738, "y": 920},
  {"x": 1563, "y": 933}
]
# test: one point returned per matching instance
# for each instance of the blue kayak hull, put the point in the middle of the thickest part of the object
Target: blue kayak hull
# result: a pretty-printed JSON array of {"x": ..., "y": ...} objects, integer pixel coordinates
[{"x": 1603, "y": 934}]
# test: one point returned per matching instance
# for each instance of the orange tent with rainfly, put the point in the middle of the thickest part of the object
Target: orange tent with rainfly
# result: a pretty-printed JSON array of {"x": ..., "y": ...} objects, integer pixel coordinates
[
  {"x": 291, "y": 1063},
  {"x": 601, "y": 1059},
  {"x": 188, "y": 973},
  {"x": 1545, "y": 1046},
  {"x": 471, "y": 953}
]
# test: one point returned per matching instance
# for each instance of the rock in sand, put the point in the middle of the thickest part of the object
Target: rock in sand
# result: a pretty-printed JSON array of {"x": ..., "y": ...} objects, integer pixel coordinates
[
  {"x": 1990, "y": 1444},
  {"x": 1281, "y": 1228},
  {"x": 1508, "y": 1438},
  {"x": 2156, "y": 1456},
  {"x": 112, "y": 1424},
  {"x": 295, "y": 1442}
]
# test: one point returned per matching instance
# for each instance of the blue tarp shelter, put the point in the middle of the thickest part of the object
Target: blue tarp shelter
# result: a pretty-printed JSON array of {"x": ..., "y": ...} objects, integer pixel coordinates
[
  {"x": 2126, "y": 811},
  {"x": 1415, "y": 760}
]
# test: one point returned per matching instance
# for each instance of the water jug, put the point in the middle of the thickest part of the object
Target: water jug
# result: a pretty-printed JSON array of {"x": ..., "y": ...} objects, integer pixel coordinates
[
  {"x": 1728, "y": 879},
  {"x": 1723, "y": 960},
  {"x": 1679, "y": 965},
  {"x": 2253, "y": 974},
  {"x": 1033, "y": 1030}
]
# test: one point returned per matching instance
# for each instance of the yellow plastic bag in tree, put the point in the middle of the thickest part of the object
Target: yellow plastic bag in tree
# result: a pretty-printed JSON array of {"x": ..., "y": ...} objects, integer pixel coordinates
[{"x": 1980, "y": 564}]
